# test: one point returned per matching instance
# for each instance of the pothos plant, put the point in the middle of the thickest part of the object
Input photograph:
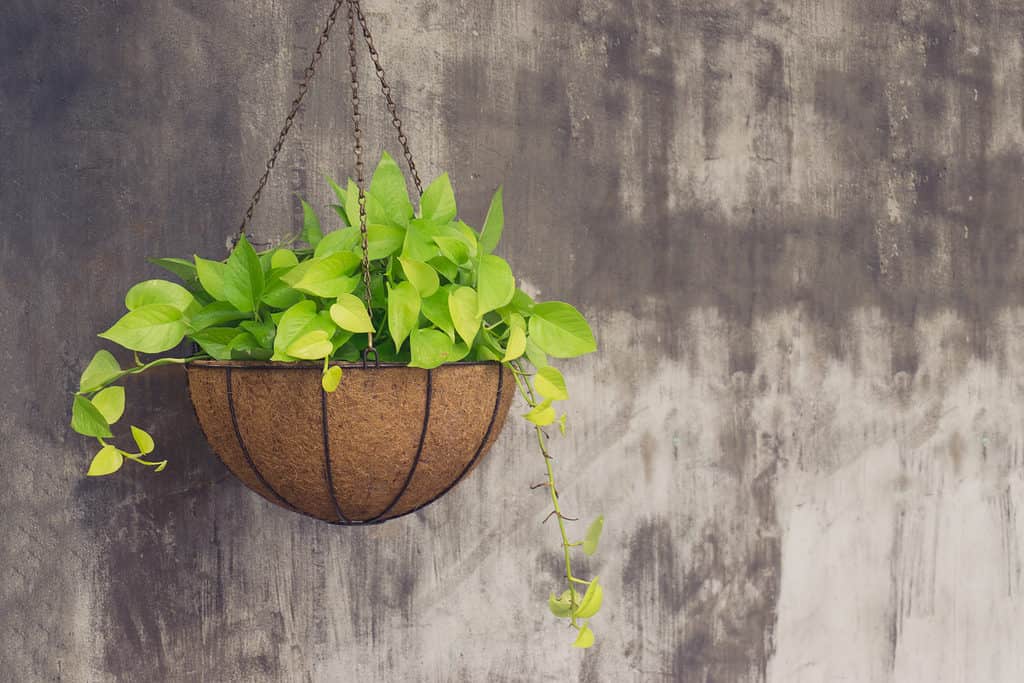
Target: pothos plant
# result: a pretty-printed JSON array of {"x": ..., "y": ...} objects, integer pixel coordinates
[{"x": 438, "y": 294}]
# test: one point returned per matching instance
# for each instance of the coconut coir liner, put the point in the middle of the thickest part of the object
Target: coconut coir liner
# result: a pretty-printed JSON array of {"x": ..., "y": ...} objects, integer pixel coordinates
[{"x": 374, "y": 424}]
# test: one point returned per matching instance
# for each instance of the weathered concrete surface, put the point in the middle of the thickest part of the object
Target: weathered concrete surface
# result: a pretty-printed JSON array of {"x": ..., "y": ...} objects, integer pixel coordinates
[{"x": 795, "y": 225}]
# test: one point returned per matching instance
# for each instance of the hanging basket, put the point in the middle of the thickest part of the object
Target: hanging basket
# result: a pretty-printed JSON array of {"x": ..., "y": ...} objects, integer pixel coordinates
[{"x": 389, "y": 441}]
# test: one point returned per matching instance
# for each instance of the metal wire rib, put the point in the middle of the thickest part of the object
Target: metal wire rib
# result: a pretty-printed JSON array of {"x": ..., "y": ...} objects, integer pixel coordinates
[
  {"x": 479, "y": 450},
  {"x": 342, "y": 519},
  {"x": 245, "y": 451},
  {"x": 419, "y": 452}
]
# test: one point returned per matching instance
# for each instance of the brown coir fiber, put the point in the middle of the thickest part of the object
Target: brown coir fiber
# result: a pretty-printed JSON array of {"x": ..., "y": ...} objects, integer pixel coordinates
[{"x": 390, "y": 440}]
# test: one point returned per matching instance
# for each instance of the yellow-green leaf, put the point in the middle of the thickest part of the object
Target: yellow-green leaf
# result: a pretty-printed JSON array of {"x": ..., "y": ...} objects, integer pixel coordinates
[
  {"x": 549, "y": 383},
  {"x": 403, "y": 311},
  {"x": 311, "y": 232},
  {"x": 158, "y": 292},
  {"x": 585, "y": 638},
  {"x": 211, "y": 277},
  {"x": 101, "y": 369},
  {"x": 462, "y": 304},
  {"x": 331, "y": 379},
  {"x": 430, "y": 348},
  {"x": 542, "y": 415},
  {"x": 283, "y": 258},
  {"x": 561, "y": 606},
  {"x": 493, "y": 224},
  {"x": 349, "y": 313},
  {"x": 423, "y": 277},
  {"x": 591, "y": 601},
  {"x": 560, "y": 330},
  {"x": 110, "y": 403},
  {"x": 311, "y": 346},
  {"x": 593, "y": 535},
  {"x": 516, "y": 344},
  {"x": 495, "y": 283},
  {"x": 143, "y": 440},
  {"x": 86, "y": 419},
  {"x": 438, "y": 200},
  {"x": 107, "y": 461},
  {"x": 151, "y": 329}
]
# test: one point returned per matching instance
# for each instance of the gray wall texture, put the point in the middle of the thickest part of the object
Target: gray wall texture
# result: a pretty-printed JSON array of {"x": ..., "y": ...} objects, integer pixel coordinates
[{"x": 795, "y": 225}]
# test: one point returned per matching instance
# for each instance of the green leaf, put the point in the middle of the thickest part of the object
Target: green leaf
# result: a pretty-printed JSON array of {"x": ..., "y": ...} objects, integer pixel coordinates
[
  {"x": 542, "y": 414},
  {"x": 345, "y": 239},
  {"x": 435, "y": 309},
  {"x": 86, "y": 419},
  {"x": 549, "y": 383},
  {"x": 311, "y": 232},
  {"x": 101, "y": 369},
  {"x": 561, "y": 606},
  {"x": 243, "y": 277},
  {"x": 561, "y": 423},
  {"x": 326, "y": 276},
  {"x": 453, "y": 248},
  {"x": 537, "y": 358},
  {"x": 216, "y": 341},
  {"x": 245, "y": 346},
  {"x": 262, "y": 332},
  {"x": 493, "y": 224},
  {"x": 279, "y": 294},
  {"x": 143, "y": 440},
  {"x": 560, "y": 330},
  {"x": 349, "y": 313},
  {"x": 462, "y": 304},
  {"x": 495, "y": 284},
  {"x": 460, "y": 350},
  {"x": 522, "y": 302},
  {"x": 444, "y": 266},
  {"x": 388, "y": 187},
  {"x": 418, "y": 245},
  {"x": 516, "y": 344},
  {"x": 150, "y": 329},
  {"x": 292, "y": 324},
  {"x": 183, "y": 268},
  {"x": 430, "y": 348},
  {"x": 110, "y": 403},
  {"x": 283, "y": 258},
  {"x": 438, "y": 200},
  {"x": 591, "y": 601},
  {"x": 383, "y": 240},
  {"x": 217, "y": 313},
  {"x": 585, "y": 638},
  {"x": 158, "y": 292},
  {"x": 403, "y": 311},
  {"x": 107, "y": 461},
  {"x": 211, "y": 277},
  {"x": 423, "y": 277},
  {"x": 311, "y": 346},
  {"x": 331, "y": 379},
  {"x": 593, "y": 535}
]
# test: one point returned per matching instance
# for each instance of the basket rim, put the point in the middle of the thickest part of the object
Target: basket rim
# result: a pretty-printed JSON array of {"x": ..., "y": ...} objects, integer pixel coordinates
[{"x": 317, "y": 365}]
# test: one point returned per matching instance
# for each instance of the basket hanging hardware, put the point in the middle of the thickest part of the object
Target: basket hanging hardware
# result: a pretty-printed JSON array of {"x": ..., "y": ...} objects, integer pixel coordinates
[{"x": 355, "y": 16}]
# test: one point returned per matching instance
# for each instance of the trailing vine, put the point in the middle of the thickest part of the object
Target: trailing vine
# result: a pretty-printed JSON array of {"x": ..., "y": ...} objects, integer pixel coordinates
[{"x": 437, "y": 294}]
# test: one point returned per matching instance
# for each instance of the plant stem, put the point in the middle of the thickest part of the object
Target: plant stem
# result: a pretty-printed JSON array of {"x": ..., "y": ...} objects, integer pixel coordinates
[
  {"x": 140, "y": 369},
  {"x": 527, "y": 393}
]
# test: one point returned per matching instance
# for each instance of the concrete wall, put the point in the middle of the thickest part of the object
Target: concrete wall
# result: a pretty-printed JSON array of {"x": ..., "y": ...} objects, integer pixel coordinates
[{"x": 795, "y": 225}]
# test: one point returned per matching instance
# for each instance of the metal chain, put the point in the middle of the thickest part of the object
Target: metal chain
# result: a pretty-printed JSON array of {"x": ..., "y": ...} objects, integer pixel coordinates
[
  {"x": 307, "y": 76},
  {"x": 386, "y": 90},
  {"x": 353, "y": 68}
]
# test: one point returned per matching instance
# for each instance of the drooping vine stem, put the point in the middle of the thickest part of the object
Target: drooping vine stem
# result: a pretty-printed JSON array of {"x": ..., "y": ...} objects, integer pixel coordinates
[
  {"x": 526, "y": 391},
  {"x": 138, "y": 369}
]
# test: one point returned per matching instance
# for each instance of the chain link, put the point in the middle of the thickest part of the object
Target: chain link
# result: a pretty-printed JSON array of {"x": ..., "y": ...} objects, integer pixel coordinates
[
  {"x": 307, "y": 76},
  {"x": 386, "y": 90},
  {"x": 353, "y": 69}
]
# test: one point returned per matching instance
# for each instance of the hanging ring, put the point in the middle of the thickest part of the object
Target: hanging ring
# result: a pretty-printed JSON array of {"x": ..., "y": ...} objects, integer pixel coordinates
[{"x": 376, "y": 357}]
